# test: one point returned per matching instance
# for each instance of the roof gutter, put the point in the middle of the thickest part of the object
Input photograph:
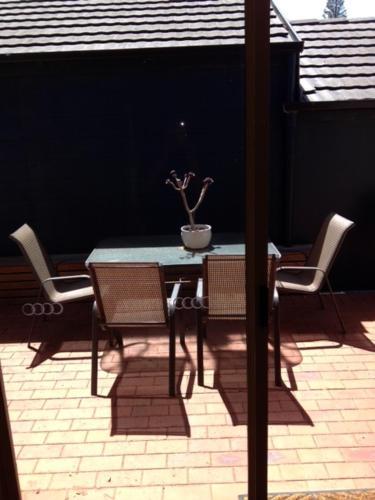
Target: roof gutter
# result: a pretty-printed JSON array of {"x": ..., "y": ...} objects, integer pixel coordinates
[
  {"x": 291, "y": 124},
  {"x": 112, "y": 53},
  {"x": 132, "y": 52},
  {"x": 295, "y": 107},
  {"x": 292, "y": 32}
]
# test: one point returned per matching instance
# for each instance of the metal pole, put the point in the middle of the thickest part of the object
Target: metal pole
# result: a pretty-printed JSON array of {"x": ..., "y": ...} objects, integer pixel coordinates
[
  {"x": 9, "y": 485},
  {"x": 257, "y": 61}
]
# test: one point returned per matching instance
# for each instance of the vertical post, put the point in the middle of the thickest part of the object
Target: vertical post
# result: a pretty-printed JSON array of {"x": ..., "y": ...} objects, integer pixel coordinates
[
  {"x": 257, "y": 62},
  {"x": 9, "y": 486}
]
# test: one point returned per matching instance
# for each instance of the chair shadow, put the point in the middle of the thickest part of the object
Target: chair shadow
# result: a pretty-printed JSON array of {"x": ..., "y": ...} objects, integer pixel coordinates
[
  {"x": 55, "y": 349},
  {"x": 139, "y": 396},
  {"x": 302, "y": 321},
  {"x": 314, "y": 324},
  {"x": 227, "y": 353},
  {"x": 231, "y": 382},
  {"x": 65, "y": 338},
  {"x": 65, "y": 333}
]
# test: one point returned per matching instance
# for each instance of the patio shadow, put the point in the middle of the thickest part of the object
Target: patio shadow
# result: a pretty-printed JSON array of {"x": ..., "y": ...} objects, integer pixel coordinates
[
  {"x": 314, "y": 327},
  {"x": 227, "y": 356},
  {"x": 139, "y": 398},
  {"x": 283, "y": 408}
]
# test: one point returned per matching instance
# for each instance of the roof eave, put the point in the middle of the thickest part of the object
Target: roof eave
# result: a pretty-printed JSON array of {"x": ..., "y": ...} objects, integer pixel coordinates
[
  {"x": 291, "y": 46},
  {"x": 329, "y": 105},
  {"x": 287, "y": 46}
]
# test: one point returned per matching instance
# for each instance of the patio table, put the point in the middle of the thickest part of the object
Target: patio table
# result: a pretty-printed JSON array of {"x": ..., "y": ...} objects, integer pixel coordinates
[{"x": 167, "y": 250}]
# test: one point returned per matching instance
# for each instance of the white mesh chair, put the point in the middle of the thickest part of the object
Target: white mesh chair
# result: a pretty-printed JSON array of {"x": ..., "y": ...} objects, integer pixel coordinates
[
  {"x": 311, "y": 277},
  {"x": 132, "y": 295},
  {"x": 55, "y": 289},
  {"x": 221, "y": 295}
]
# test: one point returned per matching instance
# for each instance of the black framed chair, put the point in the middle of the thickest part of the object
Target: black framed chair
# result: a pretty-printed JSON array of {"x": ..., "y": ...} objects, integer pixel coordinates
[
  {"x": 132, "y": 295},
  {"x": 310, "y": 278},
  {"x": 52, "y": 287},
  {"x": 221, "y": 295}
]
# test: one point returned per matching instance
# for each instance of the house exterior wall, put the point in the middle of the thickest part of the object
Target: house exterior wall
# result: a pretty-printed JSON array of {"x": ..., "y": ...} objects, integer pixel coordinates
[
  {"x": 334, "y": 171},
  {"x": 86, "y": 144}
]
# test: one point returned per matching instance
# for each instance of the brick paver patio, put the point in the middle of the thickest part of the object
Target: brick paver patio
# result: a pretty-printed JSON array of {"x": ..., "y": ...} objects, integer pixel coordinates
[{"x": 136, "y": 443}]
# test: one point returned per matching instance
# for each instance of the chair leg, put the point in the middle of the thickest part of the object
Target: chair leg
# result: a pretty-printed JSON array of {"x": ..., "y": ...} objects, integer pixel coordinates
[
  {"x": 182, "y": 336},
  {"x": 172, "y": 356},
  {"x": 276, "y": 345},
  {"x": 94, "y": 352},
  {"x": 33, "y": 323},
  {"x": 341, "y": 321},
  {"x": 181, "y": 328},
  {"x": 119, "y": 343},
  {"x": 120, "y": 339},
  {"x": 31, "y": 331},
  {"x": 200, "y": 334}
]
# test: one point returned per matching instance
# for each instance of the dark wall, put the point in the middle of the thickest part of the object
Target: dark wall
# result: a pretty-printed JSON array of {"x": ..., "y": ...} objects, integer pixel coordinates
[
  {"x": 86, "y": 144},
  {"x": 283, "y": 88},
  {"x": 334, "y": 171}
]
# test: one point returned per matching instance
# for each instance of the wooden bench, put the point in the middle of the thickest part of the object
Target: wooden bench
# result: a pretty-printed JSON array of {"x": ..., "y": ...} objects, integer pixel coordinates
[{"x": 17, "y": 282}]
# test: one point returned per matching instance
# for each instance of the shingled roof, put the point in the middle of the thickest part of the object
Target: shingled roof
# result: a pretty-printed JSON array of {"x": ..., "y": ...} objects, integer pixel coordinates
[
  {"x": 50, "y": 26},
  {"x": 338, "y": 60}
]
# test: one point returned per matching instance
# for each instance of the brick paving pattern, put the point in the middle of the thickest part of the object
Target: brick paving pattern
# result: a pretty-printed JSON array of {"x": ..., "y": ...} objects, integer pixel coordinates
[{"x": 136, "y": 443}]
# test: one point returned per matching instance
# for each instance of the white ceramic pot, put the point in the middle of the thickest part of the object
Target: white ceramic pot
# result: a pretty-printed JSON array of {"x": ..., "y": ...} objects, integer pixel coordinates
[{"x": 200, "y": 237}]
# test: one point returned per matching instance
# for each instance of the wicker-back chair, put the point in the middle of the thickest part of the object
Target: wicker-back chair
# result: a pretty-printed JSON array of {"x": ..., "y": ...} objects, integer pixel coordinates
[
  {"x": 221, "y": 294},
  {"x": 54, "y": 288},
  {"x": 311, "y": 277},
  {"x": 132, "y": 294}
]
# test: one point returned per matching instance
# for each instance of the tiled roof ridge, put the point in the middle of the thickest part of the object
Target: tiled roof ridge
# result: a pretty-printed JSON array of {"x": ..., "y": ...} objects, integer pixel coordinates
[
  {"x": 103, "y": 6},
  {"x": 67, "y": 26},
  {"x": 338, "y": 20},
  {"x": 105, "y": 9}
]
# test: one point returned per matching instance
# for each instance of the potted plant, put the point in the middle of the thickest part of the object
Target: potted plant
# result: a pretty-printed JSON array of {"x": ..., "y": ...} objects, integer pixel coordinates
[{"x": 193, "y": 235}]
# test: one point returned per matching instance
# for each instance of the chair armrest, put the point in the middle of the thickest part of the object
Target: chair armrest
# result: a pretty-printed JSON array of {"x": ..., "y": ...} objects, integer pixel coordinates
[
  {"x": 173, "y": 297},
  {"x": 71, "y": 277},
  {"x": 275, "y": 300},
  {"x": 300, "y": 268},
  {"x": 199, "y": 291}
]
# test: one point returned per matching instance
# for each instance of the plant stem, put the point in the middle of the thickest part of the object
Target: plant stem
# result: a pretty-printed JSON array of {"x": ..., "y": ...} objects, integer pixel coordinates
[
  {"x": 189, "y": 212},
  {"x": 201, "y": 196}
]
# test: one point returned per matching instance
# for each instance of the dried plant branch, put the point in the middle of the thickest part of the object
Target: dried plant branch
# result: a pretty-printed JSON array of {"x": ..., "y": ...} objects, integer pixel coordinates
[
  {"x": 168, "y": 181},
  {"x": 189, "y": 212},
  {"x": 206, "y": 182},
  {"x": 187, "y": 178},
  {"x": 182, "y": 185}
]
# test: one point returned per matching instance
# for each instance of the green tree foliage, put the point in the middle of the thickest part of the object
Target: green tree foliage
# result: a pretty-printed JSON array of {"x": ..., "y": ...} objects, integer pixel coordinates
[{"x": 334, "y": 8}]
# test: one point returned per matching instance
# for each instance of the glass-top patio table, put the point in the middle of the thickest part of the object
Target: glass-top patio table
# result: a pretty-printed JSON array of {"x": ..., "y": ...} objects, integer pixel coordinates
[{"x": 167, "y": 250}]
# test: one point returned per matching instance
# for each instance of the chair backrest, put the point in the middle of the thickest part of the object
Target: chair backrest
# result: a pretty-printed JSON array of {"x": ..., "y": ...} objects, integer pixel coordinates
[
  {"x": 130, "y": 293},
  {"x": 272, "y": 263},
  {"x": 327, "y": 244},
  {"x": 224, "y": 284},
  {"x": 36, "y": 256}
]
